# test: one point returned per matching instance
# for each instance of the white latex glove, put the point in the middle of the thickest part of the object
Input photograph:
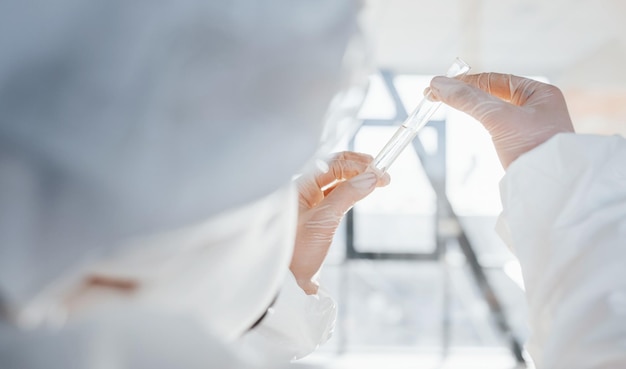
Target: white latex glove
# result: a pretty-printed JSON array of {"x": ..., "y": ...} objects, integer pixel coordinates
[
  {"x": 519, "y": 113},
  {"x": 325, "y": 196}
]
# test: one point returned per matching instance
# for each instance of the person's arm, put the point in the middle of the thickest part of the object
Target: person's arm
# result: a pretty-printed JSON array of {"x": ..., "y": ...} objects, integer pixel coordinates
[
  {"x": 303, "y": 315},
  {"x": 564, "y": 201},
  {"x": 325, "y": 195},
  {"x": 565, "y": 218}
]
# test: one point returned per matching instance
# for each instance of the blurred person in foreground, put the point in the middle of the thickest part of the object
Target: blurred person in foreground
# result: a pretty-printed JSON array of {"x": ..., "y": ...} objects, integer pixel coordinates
[{"x": 148, "y": 213}]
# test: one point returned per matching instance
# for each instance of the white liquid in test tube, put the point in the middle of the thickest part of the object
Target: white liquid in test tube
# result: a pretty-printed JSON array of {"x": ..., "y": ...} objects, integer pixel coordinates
[{"x": 418, "y": 119}]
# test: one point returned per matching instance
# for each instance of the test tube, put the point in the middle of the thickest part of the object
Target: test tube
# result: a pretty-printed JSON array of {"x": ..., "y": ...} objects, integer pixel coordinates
[{"x": 418, "y": 119}]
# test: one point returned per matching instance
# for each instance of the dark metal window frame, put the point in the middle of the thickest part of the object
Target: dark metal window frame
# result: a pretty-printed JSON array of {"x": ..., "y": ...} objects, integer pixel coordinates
[{"x": 435, "y": 168}]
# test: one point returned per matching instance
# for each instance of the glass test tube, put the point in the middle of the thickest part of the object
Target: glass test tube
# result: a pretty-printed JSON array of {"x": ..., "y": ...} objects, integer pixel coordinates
[{"x": 418, "y": 119}]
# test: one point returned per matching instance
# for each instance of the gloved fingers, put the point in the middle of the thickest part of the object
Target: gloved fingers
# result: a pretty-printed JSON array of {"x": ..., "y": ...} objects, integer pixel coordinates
[
  {"x": 343, "y": 197},
  {"x": 311, "y": 185},
  {"x": 317, "y": 223},
  {"x": 382, "y": 181},
  {"x": 342, "y": 166},
  {"x": 532, "y": 96},
  {"x": 315, "y": 186},
  {"x": 517, "y": 90},
  {"x": 468, "y": 98},
  {"x": 500, "y": 85},
  {"x": 519, "y": 113}
]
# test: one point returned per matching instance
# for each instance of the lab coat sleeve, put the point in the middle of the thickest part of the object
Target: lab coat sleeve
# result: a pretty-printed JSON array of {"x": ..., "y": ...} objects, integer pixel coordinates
[
  {"x": 295, "y": 325},
  {"x": 564, "y": 215}
]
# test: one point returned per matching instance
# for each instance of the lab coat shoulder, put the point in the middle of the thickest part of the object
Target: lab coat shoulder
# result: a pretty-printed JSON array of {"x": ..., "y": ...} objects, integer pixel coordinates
[{"x": 564, "y": 215}]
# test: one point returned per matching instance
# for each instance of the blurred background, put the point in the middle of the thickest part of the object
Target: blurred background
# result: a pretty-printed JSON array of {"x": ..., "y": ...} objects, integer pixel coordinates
[
  {"x": 421, "y": 278},
  {"x": 579, "y": 45}
]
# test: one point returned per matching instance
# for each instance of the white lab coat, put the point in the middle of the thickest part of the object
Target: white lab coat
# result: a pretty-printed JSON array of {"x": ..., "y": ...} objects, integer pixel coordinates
[
  {"x": 296, "y": 324},
  {"x": 565, "y": 218},
  {"x": 199, "y": 290},
  {"x": 130, "y": 337}
]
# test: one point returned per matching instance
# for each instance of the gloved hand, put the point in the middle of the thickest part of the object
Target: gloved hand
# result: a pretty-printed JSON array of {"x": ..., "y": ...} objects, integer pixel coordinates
[
  {"x": 519, "y": 113},
  {"x": 325, "y": 196}
]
